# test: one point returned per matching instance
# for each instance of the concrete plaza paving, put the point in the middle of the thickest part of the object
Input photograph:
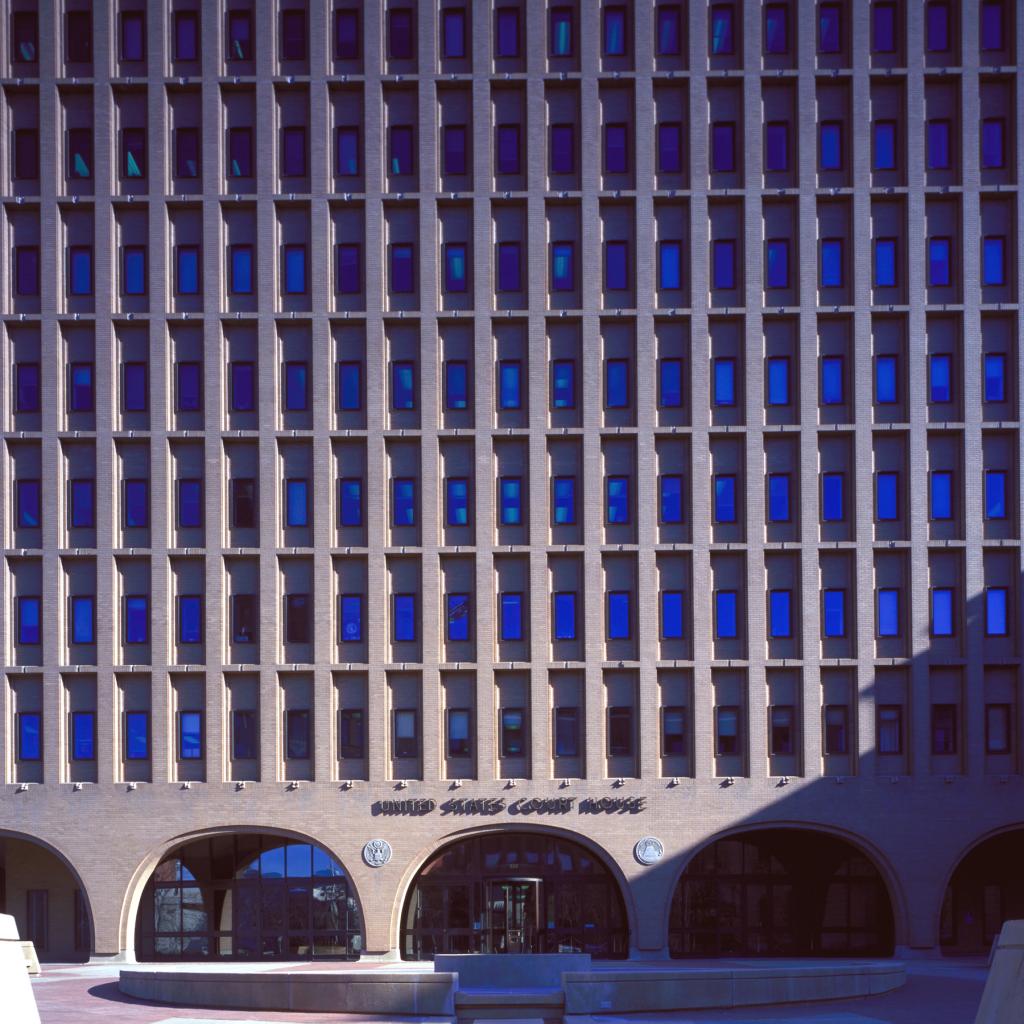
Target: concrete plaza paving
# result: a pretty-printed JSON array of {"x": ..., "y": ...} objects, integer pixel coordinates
[{"x": 936, "y": 992}]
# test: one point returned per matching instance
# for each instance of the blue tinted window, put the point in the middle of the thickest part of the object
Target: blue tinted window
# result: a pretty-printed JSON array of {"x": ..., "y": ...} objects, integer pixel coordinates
[
  {"x": 563, "y": 149},
  {"x": 940, "y": 378},
  {"x": 455, "y": 267},
  {"x": 723, "y": 146},
  {"x": 992, "y": 143},
  {"x": 995, "y": 377},
  {"x": 886, "y": 390},
  {"x": 27, "y": 499},
  {"x": 885, "y": 145},
  {"x": 29, "y": 736},
  {"x": 721, "y": 30},
  {"x": 509, "y": 276},
  {"x": 778, "y": 497},
  {"x": 562, "y": 271},
  {"x": 400, "y": 34},
  {"x": 942, "y": 494},
  {"x": 350, "y": 386},
  {"x": 776, "y": 146},
  {"x": 400, "y": 160},
  {"x": 888, "y": 612},
  {"x": 887, "y": 496},
  {"x": 775, "y": 29},
  {"x": 456, "y": 384},
  {"x": 29, "y": 620},
  {"x": 725, "y": 498},
  {"x": 190, "y": 503},
  {"x": 350, "y": 502},
  {"x": 405, "y": 617},
  {"x": 883, "y": 28},
  {"x": 454, "y": 149},
  {"x": 831, "y": 146},
  {"x": 938, "y": 145},
  {"x": 457, "y": 501},
  {"x": 617, "y": 504},
  {"x": 670, "y": 148},
  {"x": 509, "y": 384},
  {"x": 939, "y": 270},
  {"x": 188, "y": 270},
  {"x": 190, "y": 390},
  {"x": 616, "y": 383},
  {"x": 508, "y": 149},
  {"x": 563, "y": 384},
  {"x": 190, "y": 620},
  {"x": 243, "y": 387},
  {"x": 136, "y": 735},
  {"x": 614, "y": 31},
  {"x": 723, "y": 270},
  {"x": 507, "y": 32},
  {"x": 80, "y": 393},
  {"x": 81, "y": 270},
  {"x": 404, "y": 501},
  {"x": 136, "y": 619},
  {"x": 618, "y": 615},
  {"x": 351, "y": 618},
  {"x": 511, "y": 490},
  {"x": 725, "y": 614},
  {"x": 402, "y": 271},
  {"x": 669, "y": 32},
  {"x": 564, "y": 610},
  {"x": 83, "y": 504},
  {"x": 779, "y": 614},
  {"x": 829, "y": 28},
  {"x": 190, "y": 735},
  {"x": 832, "y": 497},
  {"x": 241, "y": 269},
  {"x": 458, "y": 616},
  {"x": 670, "y": 383},
  {"x": 349, "y": 270},
  {"x": 671, "y": 614},
  {"x": 563, "y": 497},
  {"x": 996, "y": 618},
  {"x": 937, "y": 27},
  {"x": 453, "y": 32},
  {"x": 992, "y": 25},
  {"x": 136, "y": 503},
  {"x": 993, "y": 260},
  {"x": 134, "y": 270},
  {"x": 724, "y": 381},
  {"x": 83, "y": 735},
  {"x": 778, "y": 380},
  {"x": 83, "y": 620},
  {"x": 942, "y": 611},
  {"x": 885, "y": 262},
  {"x": 831, "y": 263},
  {"x": 832, "y": 380},
  {"x": 348, "y": 152},
  {"x": 511, "y": 616},
  {"x": 777, "y": 263},
  {"x": 403, "y": 385},
  {"x": 834, "y": 606},
  {"x": 670, "y": 502},
  {"x": 995, "y": 494},
  {"x": 561, "y": 31},
  {"x": 26, "y": 270},
  {"x": 616, "y": 266},
  {"x": 239, "y": 153},
  {"x": 296, "y": 503},
  {"x": 26, "y": 387},
  {"x": 296, "y": 386}
]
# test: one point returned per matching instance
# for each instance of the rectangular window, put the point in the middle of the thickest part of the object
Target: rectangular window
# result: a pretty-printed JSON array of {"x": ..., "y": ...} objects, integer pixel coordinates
[
  {"x": 403, "y": 501},
  {"x": 723, "y": 266},
  {"x": 245, "y": 734},
  {"x": 617, "y": 500},
  {"x": 727, "y": 730},
  {"x": 722, "y": 34},
  {"x": 82, "y": 513},
  {"x": 779, "y": 613},
  {"x": 458, "y": 733},
  {"x": 670, "y": 383},
  {"x": 240, "y": 153},
  {"x": 564, "y": 615},
  {"x": 886, "y": 380},
  {"x": 830, "y": 146},
  {"x": 296, "y": 503},
  {"x": 507, "y": 161},
  {"x": 133, "y": 152},
  {"x": 563, "y": 499},
  {"x": 997, "y": 621},
  {"x": 883, "y": 27},
  {"x": 26, "y": 387},
  {"x": 509, "y": 384},
  {"x": 350, "y": 502},
  {"x": 30, "y": 747},
  {"x": 403, "y": 385},
  {"x": 190, "y": 386},
  {"x": 29, "y": 620},
  {"x": 669, "y": 30},
  {"x": 190, "y": 619},
  {"x": 244, "y": 618},
  {"x": 350, "y": 386},
  {"x": 890, "y": 729},
  {"x": 887, "y": 496},
  {"x": 80, "y": 270},
  {"x": 834, "y": 609},
  {"x": 670, "y": 498},
  {"x": 349, "y": 269},
  {"x": 190, "y": 503},
  {"x": 458, "y": 617},
  {"x": 776, "y": 29},
  {"x": 940, "y": 378},
  {"x": 190, "y": 735},
  {"x": 456, "y": 384},
  {"x": 938, "y": 145},
  {"x": 136, "y": 504},
  {"x": 351, "y": 615},
  {"x": 513, "y": 732},
  {"x": 778, "y": 498},
  {"x": 243, "y": 503},
  {"x": 776, "y": 146},
  {"x": 506, "y": 32},
  {"x": 831, "y": 263},
  {"x": 241, "y": 269},
  {"x": 400, "y": 156},
  {"x": 998, "y": 729},
  {"x": 25, "y": 165},
  {"x": 24, "y": 37},
  {"x": 567, "y": 732},
  {"x": 670, "y": 148},
  {"x": 186, "y": 35},
  {"x": 294, "y": 269},
  {"x": 79, "y": 153},
  {"x": 80, "y": 387},
  {"x": 620, "y": 732},
  {"x": 724, "y": 380},
  {"x": 616, "y": 266},
  {"x": 937, "y": 27},
  {"x": 563, "y": 149},
  {"x": 239, "y": 37},
  {"x": 511, "y": 489},
  {"x": 402, "y": 268},
  {"x": 453, "y": 33},
  {"x": 293, "y": 150},
  {"x": 939, "y": 262},
  {"x": 725, "y": 498},
  {"x": 404, "y": 617},
  {"x": 26, "y": 270},
  {"x": 837, "y": 730},
  {"x": 673, "y": 731},
  {"x": 346, "y": 34},
  {"x": 136, "y": 735},
  {"x": 726, "y": 623},
  {"x": 400, "y": 34},
  {"x": 347, "y": 154},
  {"x": 457, "y": 501},
  {"x": 454, "y": 149},
  {"x": 455, "y": 267},
  {"x": 671, "y": 614},
  {"x": 995, "y": 377},
  {"x": 135, "y": 387},
  {"x": 944, "y": 729},
  {"x": 777, "y": 263},
  {"x": 83, "y": 620},
  {"x": 614, "y": 31},
  {"x": 242, "y": 380},
  {"x": 778, "y": 380},
  {"x": 885, "y": 262},
  {"x": 993, "y": 260},
  {"x": 78, "y": 37},
  {"x": 562, "y": 266},
  {"x": 296, "y": 386},
  {"x": 884, "y": 145},
  {"x": 992, "y": 37},
  {"x": 942, "y": 611},
  {"x": 133, "y": 270},
  {"x": 995, "y": 494},
  {"x": 297, "y": 616},
  {"x": 352, "y": 733},
  {"x": 28, "y": 503},
  {"x": 511, "y": 616},
  {"x": 832, "y": 506},
  {"x": 509, "y": 274},
  {"x": 296, "y": 734},
  {"x": 782, "y": 726},
  {"x": 186, "y": 278},
  {"x": 723, "y": 146},
  {"x": 888, "y": 611},
  {"x": 616, "y": 384},
  {"x": 133, "y": 35},
  {"x": 616, "y": 152},
  {"x": 561, "y": 32},
  {"x": 83, "y": 735},
  {"x": 829, "y": 28},
  {"x": 941, "y": 494},
  {"x": 563, "y": 384},
  {"x": 293, "y": 35}
]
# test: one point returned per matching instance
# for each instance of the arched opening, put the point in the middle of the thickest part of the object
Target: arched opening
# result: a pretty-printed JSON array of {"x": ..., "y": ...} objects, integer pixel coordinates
[
  {"x": 781, "y": 892},
  {"x": 46, "y": 900},
  {"x": 248, "y": 896},
  {"x": 514, "y": 892},
  {"x": 987, "y": 888}
]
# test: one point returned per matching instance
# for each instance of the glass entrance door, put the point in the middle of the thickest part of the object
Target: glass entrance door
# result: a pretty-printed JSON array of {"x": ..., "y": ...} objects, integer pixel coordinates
[{"x": 512, "y": 912}]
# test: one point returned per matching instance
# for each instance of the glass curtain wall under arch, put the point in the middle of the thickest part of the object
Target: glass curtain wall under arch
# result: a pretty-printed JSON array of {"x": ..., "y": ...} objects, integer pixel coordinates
[{"x": 251, "y": 897}]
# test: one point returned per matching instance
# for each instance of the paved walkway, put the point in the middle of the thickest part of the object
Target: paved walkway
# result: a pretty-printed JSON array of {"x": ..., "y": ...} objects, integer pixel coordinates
[{"x": 937, "y": 992}]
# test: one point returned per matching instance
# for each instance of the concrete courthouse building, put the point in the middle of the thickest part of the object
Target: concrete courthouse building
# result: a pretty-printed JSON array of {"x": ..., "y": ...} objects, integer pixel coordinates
[{"x": 511, "y": 476}]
